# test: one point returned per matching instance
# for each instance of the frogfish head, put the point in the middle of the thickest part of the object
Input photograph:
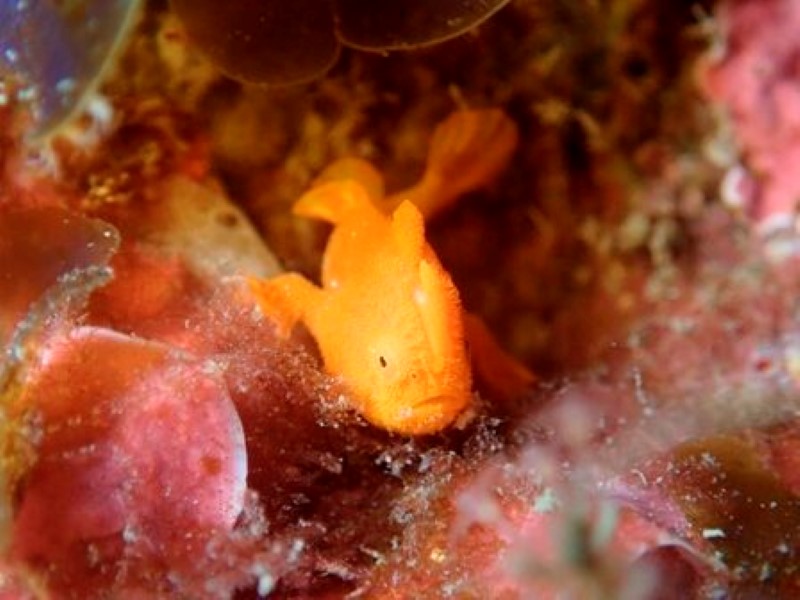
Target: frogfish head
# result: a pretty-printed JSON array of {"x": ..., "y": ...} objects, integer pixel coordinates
[{"x": 416, "y": 401}]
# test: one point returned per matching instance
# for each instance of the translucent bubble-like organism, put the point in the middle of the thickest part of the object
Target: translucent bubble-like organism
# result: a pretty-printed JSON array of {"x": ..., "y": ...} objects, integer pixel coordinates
[
  {"x": 273, "y": 42},
  {"x": 57, "y": 50},
  {"x": 50, "y": 260}
]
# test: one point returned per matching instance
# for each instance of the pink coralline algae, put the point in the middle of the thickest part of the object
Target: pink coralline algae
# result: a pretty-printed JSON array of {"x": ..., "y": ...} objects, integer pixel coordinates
[
  {"x": 142, "y": 449},
  {"x": 754, "y": 74}
]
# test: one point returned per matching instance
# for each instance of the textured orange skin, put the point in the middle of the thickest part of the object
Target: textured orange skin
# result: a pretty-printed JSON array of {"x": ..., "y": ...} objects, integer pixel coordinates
[{"x": 387, "y": 318}]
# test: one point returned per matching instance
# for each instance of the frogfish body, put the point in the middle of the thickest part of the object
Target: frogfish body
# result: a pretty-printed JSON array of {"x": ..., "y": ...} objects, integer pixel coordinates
[{"x": 387, "y": 318}]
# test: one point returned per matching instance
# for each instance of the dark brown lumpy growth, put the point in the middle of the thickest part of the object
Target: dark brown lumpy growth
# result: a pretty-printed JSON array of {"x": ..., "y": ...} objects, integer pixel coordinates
[
  {"x": 398, "y": 24},
  {"x": 263, "y": 41},
  {"x": 741, "y": 509},
  {"x": 270, "y": 42}
]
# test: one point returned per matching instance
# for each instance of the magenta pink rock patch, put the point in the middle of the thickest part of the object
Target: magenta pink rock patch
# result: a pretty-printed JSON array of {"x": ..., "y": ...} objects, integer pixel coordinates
[{"x": 140, "y": 450}]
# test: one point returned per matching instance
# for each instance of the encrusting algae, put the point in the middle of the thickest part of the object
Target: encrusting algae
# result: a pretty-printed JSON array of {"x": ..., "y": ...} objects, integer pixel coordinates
[{"x": 384, "y": 292}]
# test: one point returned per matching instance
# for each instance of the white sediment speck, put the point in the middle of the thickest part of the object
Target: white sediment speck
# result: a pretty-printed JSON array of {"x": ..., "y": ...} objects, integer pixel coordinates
[
  {"x": 26, "y": 94},
  {"x": 710, "y": 534},
  {"x": 66, "y": 85},
  {"x": 266, "y": 583},
  {"x": 545, "y": 502}
]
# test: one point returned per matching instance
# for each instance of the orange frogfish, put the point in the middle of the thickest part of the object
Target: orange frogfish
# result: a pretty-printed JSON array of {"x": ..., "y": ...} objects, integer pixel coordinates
[{"x": 387, "y": 318}]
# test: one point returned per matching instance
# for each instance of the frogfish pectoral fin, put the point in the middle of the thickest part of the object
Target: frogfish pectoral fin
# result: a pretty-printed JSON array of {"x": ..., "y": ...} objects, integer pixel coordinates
[{"x": 284, "y": 299}]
